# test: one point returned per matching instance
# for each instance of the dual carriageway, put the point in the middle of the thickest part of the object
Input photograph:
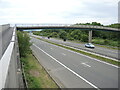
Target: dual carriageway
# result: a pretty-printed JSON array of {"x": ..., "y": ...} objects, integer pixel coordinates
[{"x": 69, "y": 69}]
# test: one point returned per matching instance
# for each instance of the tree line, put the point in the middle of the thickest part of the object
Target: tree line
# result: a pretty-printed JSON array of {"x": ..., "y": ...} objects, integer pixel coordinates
[{"x": 82, "y": 35}]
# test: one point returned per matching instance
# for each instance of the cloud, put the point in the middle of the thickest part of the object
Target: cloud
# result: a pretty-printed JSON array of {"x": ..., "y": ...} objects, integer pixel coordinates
[{"x": 58, "y": 11}]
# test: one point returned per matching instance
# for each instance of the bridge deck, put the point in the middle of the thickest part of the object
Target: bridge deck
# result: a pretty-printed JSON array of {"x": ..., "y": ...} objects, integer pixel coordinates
[{"x": 82, "y": 27}]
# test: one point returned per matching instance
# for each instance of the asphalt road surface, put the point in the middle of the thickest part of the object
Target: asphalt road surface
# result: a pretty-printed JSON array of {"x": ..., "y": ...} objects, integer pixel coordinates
[
  {"x": 99, "y": 50},
  {"x": 72, "y": 70}
]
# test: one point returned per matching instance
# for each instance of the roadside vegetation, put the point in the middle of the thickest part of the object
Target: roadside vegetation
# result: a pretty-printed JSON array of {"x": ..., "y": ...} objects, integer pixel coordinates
[
  {"x": 34, "y": 73},
  {"x": 99, "y": 37}
]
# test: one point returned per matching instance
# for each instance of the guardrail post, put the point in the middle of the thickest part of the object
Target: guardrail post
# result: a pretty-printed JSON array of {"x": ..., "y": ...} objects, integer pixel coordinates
[{"x": 90, "y": 36}]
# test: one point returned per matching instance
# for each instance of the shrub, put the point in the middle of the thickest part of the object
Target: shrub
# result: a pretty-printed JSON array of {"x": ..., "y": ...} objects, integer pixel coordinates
[{"x": 24, "y": 44}]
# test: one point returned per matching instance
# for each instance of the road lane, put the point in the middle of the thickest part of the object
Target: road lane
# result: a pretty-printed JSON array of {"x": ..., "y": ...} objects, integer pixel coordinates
[
  {"x": 62, "y": 76},
  {"x": 99, "y": 74},
  {"x": 100, "y": 50}
]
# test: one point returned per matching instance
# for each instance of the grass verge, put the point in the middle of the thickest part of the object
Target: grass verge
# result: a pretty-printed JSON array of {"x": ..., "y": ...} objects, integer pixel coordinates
[
  {"x": 85, "y": 53},
  {"x": 36, "y": 76}
]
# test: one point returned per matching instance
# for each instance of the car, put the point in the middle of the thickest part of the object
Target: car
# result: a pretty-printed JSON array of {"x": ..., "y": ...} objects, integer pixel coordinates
[{"x": 89, "y": 45}]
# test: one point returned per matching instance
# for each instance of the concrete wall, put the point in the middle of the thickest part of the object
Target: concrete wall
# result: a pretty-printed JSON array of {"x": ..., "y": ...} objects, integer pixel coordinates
[
  {"x": 0, "y": 41},
  {"x": 12, "y": 76},
  {"x": 3, "y": 28},
  {"x": 10, "y": 70}
]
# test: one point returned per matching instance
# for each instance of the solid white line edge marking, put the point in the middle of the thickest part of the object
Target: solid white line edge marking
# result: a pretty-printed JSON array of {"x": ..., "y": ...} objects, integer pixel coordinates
[
  {"x": 92, "y": 53},
  {"x": 67, "y": 68},
  {"x": 84, "y": 55},
  {"x": 89, "y": 52},
  {"x": 90, "y": 57}
]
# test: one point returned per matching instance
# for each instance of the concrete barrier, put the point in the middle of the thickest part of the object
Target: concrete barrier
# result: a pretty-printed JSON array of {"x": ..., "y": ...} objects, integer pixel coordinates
[
  {"x": 5, "y": 26},
  {"x": 2, "y": 29},
  {"x": 0, "y": 41},
  {"x": 8, "y": 66}
]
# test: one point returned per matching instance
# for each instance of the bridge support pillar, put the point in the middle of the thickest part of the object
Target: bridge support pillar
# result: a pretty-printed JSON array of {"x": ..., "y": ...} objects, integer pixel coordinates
[{"x": 90, "y": 36}]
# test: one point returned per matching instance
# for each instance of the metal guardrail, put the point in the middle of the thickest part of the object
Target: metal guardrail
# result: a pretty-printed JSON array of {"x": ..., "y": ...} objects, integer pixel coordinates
[
  {"x": 5, "y": 61},
  {"x": 67, "y": 25}
]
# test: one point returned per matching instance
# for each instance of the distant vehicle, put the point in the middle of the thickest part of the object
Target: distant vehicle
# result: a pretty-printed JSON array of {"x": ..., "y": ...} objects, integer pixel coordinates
[
  {"x": 89, "y": 45},
  {"x": 64, "y": 40},
  {"x": 48, "y": 37}
]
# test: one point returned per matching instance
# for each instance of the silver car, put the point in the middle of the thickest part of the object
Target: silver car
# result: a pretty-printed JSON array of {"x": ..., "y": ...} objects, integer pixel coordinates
[{"x": 89, "y": 45}]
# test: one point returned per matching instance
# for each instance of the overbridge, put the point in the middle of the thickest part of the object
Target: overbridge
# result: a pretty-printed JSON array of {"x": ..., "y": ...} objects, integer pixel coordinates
[
  {"x": 10, "y": 66},
  {"x": 66, "y": 26}
]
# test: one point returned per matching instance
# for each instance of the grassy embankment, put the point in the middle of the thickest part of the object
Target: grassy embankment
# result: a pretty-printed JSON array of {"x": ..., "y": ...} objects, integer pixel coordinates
[
  {"x": 85, "y": 53},
  {"x": 106, "y": 43},
  {"x": 34, "y": 73}
]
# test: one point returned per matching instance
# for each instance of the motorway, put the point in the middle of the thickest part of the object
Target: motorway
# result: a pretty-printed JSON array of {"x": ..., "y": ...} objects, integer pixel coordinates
[
  {"x": 74, "y": 70},
  {"x": 99, "y": 50}
]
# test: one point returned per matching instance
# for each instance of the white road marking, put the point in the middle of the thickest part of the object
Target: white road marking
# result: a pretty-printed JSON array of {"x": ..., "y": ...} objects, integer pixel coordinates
[
  {"x": 63, "y": 54},
  {"x": 83, "y": 55},
  {"x": 87, "y": 56},
  {"x": 67, "y": 68},
  {"x": 92, "y": 53},
  {"x": 51, "y": 48},
  {"x": 86, "y": 64}
]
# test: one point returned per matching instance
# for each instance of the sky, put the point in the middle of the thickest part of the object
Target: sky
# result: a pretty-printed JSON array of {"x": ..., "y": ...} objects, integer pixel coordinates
[{"x": 59, "y": 11}]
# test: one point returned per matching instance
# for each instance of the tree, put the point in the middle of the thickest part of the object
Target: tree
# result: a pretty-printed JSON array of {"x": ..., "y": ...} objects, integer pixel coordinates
[
  {"x": 84, "y": 38},
  {"x": 63, "y": 35},
  {"x": 24, "y": 44},
  {"x": 76, "y": 34},
  {"x": 96, "y": 24},
  {"x": 54, "y": 34},
  {"x": 116, "y": 25}
]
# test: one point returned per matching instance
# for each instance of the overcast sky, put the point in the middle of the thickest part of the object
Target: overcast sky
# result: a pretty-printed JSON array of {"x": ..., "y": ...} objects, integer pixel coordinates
[{"x": 59, "y": 11}]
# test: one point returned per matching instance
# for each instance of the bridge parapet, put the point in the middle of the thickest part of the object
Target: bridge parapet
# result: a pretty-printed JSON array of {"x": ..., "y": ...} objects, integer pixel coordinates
[
  {"x": 66, "y": 26},
  {"x": 35, "y": 25}
]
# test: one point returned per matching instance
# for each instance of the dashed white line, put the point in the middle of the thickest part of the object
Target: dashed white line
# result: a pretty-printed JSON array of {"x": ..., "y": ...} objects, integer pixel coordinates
[
  {"x": 85, "y": 64},
  {"x": 63, "y": 54},
  {"x": 92, "y": 53},
  {"x": 67, "y": 68},
  {"x": 87, "y": 56},
  {"x": 83, "y": 55}
]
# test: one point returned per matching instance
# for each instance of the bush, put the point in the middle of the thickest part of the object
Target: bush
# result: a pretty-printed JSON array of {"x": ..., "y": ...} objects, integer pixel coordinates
[
  {"x": 24, "y": 44},
  {"x": 84, "y": 38},
  {"x": 106, "y": 41}
]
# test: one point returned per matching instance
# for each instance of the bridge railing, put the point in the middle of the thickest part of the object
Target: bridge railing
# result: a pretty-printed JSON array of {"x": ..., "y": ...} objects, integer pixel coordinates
[
  {"x": 67, "y": 25},
  {"x": 92, "y": 26},
  {"x": 34, "y": 25}
]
